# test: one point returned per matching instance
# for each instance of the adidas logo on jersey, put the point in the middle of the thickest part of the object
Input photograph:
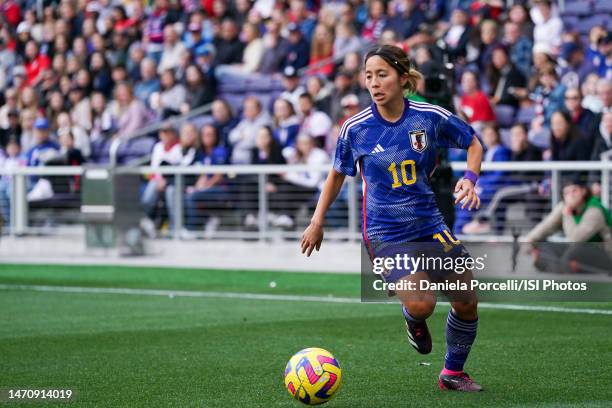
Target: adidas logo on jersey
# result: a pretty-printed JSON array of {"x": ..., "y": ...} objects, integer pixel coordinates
[{"x": 378, "y": 149}]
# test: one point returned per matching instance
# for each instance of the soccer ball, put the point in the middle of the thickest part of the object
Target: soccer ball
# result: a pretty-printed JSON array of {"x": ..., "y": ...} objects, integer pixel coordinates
[{"x": 313, "y": 376}]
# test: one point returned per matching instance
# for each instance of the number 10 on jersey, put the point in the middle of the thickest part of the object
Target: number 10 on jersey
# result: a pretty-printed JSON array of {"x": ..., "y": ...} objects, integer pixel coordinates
[{"x": 403, "y": 165}]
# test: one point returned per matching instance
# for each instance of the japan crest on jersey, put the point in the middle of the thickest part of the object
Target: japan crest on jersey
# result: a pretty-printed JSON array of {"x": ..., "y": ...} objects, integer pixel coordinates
[{"x": 418, "y": 140}]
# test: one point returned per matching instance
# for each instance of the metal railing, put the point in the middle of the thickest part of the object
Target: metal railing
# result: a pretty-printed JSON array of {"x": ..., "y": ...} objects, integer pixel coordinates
[{"x": 250, "y": 194}]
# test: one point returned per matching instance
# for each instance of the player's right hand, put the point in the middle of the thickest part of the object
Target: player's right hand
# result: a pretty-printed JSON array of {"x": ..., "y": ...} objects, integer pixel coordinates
[{"x": 312, "y": 238}]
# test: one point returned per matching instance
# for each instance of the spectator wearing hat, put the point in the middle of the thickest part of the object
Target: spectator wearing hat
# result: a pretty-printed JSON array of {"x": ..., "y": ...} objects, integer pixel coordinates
[
  {"x": 293, "y": 89},
  {"x": 44, "y": 148},
  {"x": 299, "y": 49},
  {"x": 166, "y": 152},
  {"x": 574, "y": 67},
  {"x": 172, "y": 50}
]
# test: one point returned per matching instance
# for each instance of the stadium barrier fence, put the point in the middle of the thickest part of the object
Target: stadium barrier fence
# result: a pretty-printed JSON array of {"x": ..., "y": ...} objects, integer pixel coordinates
[{"x": 261, "y": 202}]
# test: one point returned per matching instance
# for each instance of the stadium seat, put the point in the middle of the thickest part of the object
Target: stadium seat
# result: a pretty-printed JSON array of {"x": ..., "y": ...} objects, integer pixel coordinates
[
  {"x": 570, "y": 21},
  {"x": 578, "y": 8},
  {"x": 603, "y": 7},
  {"x": 135, "y": 149},
  {"x": 505, "y": 115},
  {"x": 526, "y": 115}
]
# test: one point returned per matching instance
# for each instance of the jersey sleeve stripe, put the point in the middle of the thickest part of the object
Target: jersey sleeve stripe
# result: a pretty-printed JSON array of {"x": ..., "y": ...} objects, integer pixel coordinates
[
  {"x": 430, "y": 106},
  {"x": 431, "y": 110},
  {"x": 353, "y": 118},
  {"x": 344, "y": 131}
]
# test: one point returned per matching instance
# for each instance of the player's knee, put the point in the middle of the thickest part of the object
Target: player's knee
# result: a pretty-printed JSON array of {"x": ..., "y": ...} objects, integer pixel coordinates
[
  {"x": 466, "y": 309},
  {"x": 421, "y": 309}
]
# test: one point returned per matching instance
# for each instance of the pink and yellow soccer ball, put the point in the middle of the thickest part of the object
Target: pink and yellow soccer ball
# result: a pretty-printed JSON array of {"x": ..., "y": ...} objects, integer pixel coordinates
[{"x": 313, "y": 376}]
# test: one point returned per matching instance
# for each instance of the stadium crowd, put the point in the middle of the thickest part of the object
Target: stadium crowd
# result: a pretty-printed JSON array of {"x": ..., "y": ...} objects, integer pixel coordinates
[{"x": 533, "y": 79}]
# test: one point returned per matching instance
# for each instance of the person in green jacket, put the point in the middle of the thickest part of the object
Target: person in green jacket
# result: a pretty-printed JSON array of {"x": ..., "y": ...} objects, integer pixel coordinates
[{"x": 587, "y": 226}]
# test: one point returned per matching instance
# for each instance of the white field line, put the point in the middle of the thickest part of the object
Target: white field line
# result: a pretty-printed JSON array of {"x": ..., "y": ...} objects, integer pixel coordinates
[{"x": 266, "y": 296}]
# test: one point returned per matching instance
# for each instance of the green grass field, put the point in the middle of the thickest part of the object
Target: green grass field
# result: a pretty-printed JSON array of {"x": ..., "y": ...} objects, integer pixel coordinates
[{"x": 212, "y": 350}]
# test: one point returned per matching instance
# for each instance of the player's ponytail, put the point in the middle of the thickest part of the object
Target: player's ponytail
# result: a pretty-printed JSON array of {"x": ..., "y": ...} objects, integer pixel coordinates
[{"x": 399, "y": 61}]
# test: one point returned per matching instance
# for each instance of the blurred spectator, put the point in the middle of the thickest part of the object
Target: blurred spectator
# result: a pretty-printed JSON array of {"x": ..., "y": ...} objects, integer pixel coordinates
[
  {"x": 12, "y": 132},
  {"x": 78, "y": 136},
  {"x": 189, "y": 146},
  {"x": 172, "y": 50},
  {"x": 603, "y": 139},
  {"x": 567, "y": 143},
  {"x": 345, "y": 40},
  {"x": 293, "y": 89},
  {"x": 299, "y": 15},
  {"x": 128, "y": 113},
  {"x": 275, "y": 49},
  {"x": 406, "y": 18},
  {"x": 604, "y": 68},
  {"x": 172, "y": 95},
  {"x": 11, "y": 160},
  {"x": 101, "y": 120},
  {"x": 199, "y": 91},
  {"x": 315, "y": 123},
  {"x": 548, "y": 27},
  {"x": 584, "y": 119},
  {"x": 520, "y": 46},
  {"x": 228, "y": 46},
  {"x": 548, "y": 96},
  {"x": 518, "y": 15},
  {"x": 224, "y": 121},
  {"x": 27, "y": 140},
  {"x": 344, "y": 84},
  {"x": 321, "y": 52},
  {"x": 350, "y": 107},
  {"x": 35, "y": 63},
  {"x": 209, "y": 190},
  {"x": 604, "y": 93},
  {"x": 504, "y": 79},
  {"x": 267, "y": 150},
  {"x": 10, "y": 105},
  {"x": 486, "y": 44},
  {"x": 148, "y": 83},
  {"x": 242, "y": 137},
  {"x": 488, "y": 183},
  {"x": 582, "y": 218},
  {"x": 588, "y": 89},
  {"x": 320, "y": 91},
  {"x": 166, "y": 152},
  {"x": 299, "y": 49},
  {"x": 573, "y": 66},
  {"x": 44, "y": 150},
  {"x": 474, "y": 104},
  {"x": 286, "y": 123},
  {"x": 375, "y": 23},
  {"x": 457, "y": 36},
  {"x": 101, "y": 74}
]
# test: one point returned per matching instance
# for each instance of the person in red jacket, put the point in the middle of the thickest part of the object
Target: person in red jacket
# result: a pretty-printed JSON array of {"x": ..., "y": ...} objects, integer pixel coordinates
[
  {"x": 36, "y": 63},
  {"x": 474, "y": 104}
]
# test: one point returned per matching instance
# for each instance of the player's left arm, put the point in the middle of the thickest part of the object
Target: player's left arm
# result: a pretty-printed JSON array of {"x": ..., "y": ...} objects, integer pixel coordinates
[{"x": 465, "y": 189}]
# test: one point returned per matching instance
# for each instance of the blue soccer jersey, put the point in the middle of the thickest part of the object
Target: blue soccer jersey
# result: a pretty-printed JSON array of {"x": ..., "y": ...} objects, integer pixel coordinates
[{"x": 396, "y": 161}]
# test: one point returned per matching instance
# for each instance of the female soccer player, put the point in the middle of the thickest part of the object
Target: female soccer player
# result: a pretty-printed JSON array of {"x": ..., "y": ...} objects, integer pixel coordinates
[{"x": 394, "y": 143}]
